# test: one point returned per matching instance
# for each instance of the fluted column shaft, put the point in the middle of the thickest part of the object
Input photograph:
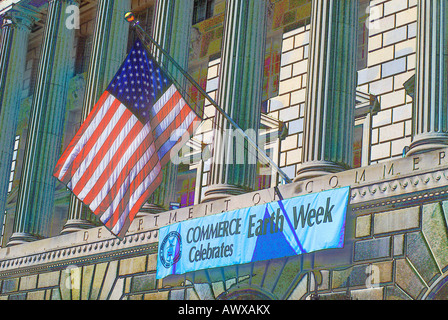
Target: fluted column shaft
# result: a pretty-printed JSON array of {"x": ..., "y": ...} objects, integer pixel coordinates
[
  {"x": 36, "y": 195},
  {"x": 108, "y": 52},
  {"x": 13, "y": 49},
  {"x": 234, "y": 164},
  {"x": 430, "y": 118},
  {"x": 331, "y": 88},
  {"x": 172, "y": 31}
]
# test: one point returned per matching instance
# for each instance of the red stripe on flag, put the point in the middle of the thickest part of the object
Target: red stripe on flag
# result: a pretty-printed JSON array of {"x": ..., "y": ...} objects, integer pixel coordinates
[
  {"x": 99, "y": 156},
  {"x": 114, "y": 190},
  {"x": 167, "y": 157},
  {"x": 80, "y": 133},
  {"x": 166, "y": 109},
  {"x": 115, "y": 160},
  {"x": 91, "y": 142},
  {"x": 178, "y": 120},
  {"x": 146, "y": 170},
  {"x": 140, "y": 202}
]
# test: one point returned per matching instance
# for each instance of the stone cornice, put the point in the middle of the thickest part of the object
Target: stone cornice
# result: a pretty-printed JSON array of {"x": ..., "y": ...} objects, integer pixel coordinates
[
  {"x": 75, "y": 249},
  {"x": 6, "y": 5},
  {"x": 405, "y": 181}
]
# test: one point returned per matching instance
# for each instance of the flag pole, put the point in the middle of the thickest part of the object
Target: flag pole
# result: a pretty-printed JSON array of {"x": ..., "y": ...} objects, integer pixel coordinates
[{"x": 129, "y": 17}]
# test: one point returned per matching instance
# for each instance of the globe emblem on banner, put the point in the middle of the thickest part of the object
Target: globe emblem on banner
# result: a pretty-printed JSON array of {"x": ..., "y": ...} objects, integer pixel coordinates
[{"x": 171, "y": 249}]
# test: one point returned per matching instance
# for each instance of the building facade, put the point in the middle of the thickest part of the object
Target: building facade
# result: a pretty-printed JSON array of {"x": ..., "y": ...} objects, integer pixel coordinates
[{"x": 338, "y": 93}]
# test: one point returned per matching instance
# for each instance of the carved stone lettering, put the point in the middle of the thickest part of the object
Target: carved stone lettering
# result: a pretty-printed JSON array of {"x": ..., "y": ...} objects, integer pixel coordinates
[
  {"x": 441, "y": 157},
  {"x": 388, "y": 172},
  {"x": 359, "y": 178},
  {"x": 309, "y": 186},
  {"x": 334, "y": 181},
  {"x": 256, "y": 199},
  {"x": 416, "y": 161}
]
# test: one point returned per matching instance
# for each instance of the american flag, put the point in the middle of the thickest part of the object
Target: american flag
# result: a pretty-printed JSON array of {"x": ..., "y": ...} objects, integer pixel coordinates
[{"x": 114, "y": 163}]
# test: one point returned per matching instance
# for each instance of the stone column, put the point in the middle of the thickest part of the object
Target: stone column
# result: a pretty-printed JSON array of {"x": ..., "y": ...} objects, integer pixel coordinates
[
  {"x": 234, "y": 164},
  {"x": 172, "y": 31},
  {"x": 108, "y": 53},
  {"x": 36, "y": 195},
  {"x": 331, "y": 89},
  {"x": 15, "y": 30},
  {"x": 430, "y": 117}
]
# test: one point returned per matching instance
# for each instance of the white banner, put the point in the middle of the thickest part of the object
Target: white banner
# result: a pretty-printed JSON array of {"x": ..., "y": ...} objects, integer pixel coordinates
[{"x": 279, "y": 229}]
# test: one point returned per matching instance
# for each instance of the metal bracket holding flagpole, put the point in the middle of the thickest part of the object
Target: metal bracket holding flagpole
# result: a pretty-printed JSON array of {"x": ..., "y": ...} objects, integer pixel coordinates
[{"x": 129, "y": 17}]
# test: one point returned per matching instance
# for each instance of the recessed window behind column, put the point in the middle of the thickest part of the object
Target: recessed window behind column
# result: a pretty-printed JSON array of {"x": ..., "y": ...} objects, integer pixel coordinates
[{"x": 203, "y": 9}]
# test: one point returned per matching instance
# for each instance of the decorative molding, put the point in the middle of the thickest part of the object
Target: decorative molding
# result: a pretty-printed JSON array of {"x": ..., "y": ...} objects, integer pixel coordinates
[
  {"x": 22, "y": 17},
  {"x": 403, "y": 200},
  {"x": 393, "y": 187},
  {"x": 110, "y": 248}
]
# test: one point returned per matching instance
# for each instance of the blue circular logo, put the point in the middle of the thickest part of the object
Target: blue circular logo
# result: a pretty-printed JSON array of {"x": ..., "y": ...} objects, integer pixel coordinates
[{"x": 171, "y": 249}]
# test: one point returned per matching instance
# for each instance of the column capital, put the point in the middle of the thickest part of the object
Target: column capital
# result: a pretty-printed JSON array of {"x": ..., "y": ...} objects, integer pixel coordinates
[
  {"x": 19, "y": 18},
  {"x": 66, "y": 1},
  {"x": 5, "y": 22}
]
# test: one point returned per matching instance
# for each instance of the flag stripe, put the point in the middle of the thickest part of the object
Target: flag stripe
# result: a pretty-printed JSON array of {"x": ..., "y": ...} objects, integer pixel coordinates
[
  {"x": 140, "y": 173},
  {"x": 136, "y": 189},
  {"x": 177, "y": 131},
  {"x": 139, "y": 197},
  {"x": 117, "y": 162},
  {"x": 81, "y": 137},
  {"x": 89, "y": 139},
  {"x": 165, "y": 110},
  {"x": 147, "y": 194},
  {"x": 109, "y": 206},
  {"x": 96, "y": 142},
  {"x": 139, "y": 146},
  {"x": 163, "y": 100},
  {"x": 175, "y": 112},
  {"x": 172, "y": 127},
  {"x": 107, "y": 152},
  {"x": 186, "y": 136}
]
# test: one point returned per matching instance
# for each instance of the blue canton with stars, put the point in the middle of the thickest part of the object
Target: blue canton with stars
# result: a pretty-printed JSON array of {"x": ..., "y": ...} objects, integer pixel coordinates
[{"x": 139, "y": 82}]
